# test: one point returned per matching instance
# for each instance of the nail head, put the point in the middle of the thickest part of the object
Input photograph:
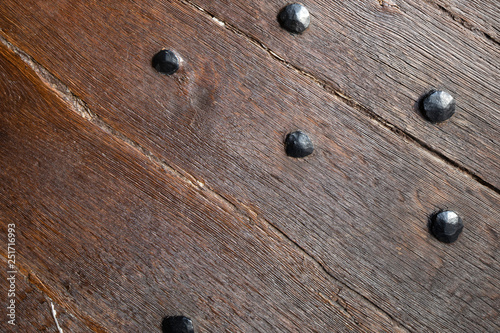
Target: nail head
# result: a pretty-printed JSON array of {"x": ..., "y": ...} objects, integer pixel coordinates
[
  {"x": 177, "y": 324},
  {"x": 438, "y": 106},
  {"x": 298, "y": 144},
  {"x": 294, "y": 18},
  {"x": 446, "y": 226},
  {"x": 166, "y": 62}
]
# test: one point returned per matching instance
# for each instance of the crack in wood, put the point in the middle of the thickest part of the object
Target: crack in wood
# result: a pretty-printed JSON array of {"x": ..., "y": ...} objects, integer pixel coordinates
[
  {"x": 465, "y": 23},
  {"x": 398, "y": 325},
  {"x": 81, "y": 108},
  {"x": 347, "y": 99}
]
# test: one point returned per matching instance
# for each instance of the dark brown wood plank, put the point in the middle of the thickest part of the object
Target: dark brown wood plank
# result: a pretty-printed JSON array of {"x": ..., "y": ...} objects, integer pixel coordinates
[
  {"x": 385, "y": 57},
  {"x": 354, "y": 206},
  {"x": 120, "y": 242},
  {"x": 33, "y": 309}
]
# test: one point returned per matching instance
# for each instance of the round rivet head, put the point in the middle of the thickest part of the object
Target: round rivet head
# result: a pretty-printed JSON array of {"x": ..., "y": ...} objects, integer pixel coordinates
[
  {"x": 438, "y": 106},
  {"x": 298, "y": 144},
  {"x": 166, "y": 62},
  {"x": 446, "y": 226},
  {"x": 294, "y": 18},
  {"x": 178, "y": 324}
]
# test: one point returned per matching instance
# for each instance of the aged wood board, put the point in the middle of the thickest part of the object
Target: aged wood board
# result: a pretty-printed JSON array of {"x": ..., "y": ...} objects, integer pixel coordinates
[
  {"x": 137, "y": 196},
  {"x": 119, "y": 242}
]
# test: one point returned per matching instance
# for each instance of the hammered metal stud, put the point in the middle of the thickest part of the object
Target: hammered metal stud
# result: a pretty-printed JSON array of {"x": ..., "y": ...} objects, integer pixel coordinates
[
  {"x": 446, "y": 226},
  {"x": 298, "y": 144},
  {"x": 178, "y": 324},
  {"x": 166, "y": 62},
  {"x": 294, "y": 18},
  {"x": 438, "y": 106}
]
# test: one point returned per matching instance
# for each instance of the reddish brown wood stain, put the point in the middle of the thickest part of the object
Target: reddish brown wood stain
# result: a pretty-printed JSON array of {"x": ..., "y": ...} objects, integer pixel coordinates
[{"x": 174, "y": 196}]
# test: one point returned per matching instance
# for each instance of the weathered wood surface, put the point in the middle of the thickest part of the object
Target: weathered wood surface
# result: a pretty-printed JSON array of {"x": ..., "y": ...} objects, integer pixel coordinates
[
  {"x": 383, "y": 58},
  {"x": 36, "y": 308},
  {"x": 119, "y": 242},
  {"x": 356, "y": 209},
  {"x": 481, "y": 17}
]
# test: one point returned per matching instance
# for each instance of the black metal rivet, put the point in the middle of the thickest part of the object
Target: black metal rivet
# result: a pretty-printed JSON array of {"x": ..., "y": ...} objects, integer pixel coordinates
[
  {"x": 177, "y": 324},
  {"x": 446, "y": 225},
  {"x": 298, "y": 144},
  {"x": 166, "y": 62},
  {"x": 294, "y": 18},
  {"x": 438, "y": 106}
]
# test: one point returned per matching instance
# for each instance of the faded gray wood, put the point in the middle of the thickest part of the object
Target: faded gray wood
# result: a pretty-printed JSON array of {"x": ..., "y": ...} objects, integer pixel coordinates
[{"x": 481, "y": 17}]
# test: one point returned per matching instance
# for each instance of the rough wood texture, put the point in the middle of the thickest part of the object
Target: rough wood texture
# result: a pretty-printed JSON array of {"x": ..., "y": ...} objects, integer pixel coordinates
[
  {"x": 355, "y": 210},
  {"x": 34, "y": 308},
  {"x": 121, "y": 242},
  {"x": 383, "y": 58},
  {"x": 481, "y": 17}
]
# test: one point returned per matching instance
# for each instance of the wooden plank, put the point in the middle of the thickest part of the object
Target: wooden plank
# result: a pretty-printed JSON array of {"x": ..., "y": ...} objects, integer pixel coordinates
[
  {"x": 383, "y": 58},
  {"x": 120, "y": 242},
  {"x": 33, "y": 309},
  {"x": 354, "y": 206},
  {"x": 479, "y": 16}
]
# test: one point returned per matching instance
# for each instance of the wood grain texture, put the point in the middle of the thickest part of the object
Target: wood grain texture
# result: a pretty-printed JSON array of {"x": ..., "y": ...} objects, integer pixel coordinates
[
  {"x": 479, "y": 16},
  {"x": 120, "y": 242},
  {"x": 384, "y": 58},
  {"x": 34, "y": 308},
  {"x": 358, "y": 206}
]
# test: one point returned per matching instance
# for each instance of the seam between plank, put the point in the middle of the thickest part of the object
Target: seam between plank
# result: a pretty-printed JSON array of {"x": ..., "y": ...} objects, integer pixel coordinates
[
  {"x": 346, "y": 99},
  {"x": 80, "y": 107},
  {"x": 465, "y": 23}
]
